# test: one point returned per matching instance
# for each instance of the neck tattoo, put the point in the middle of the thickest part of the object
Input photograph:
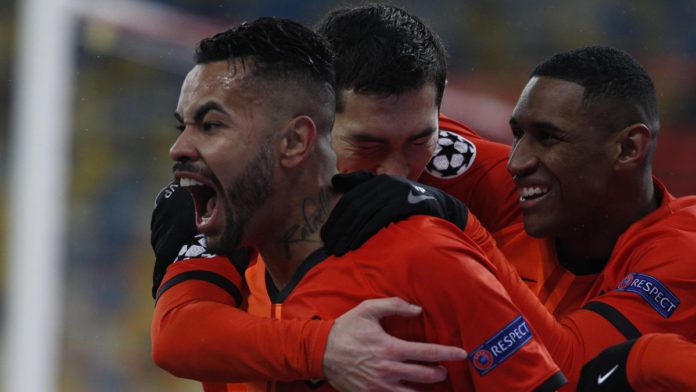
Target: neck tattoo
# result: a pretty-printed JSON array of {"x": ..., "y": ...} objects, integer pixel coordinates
[{"x": 314, "y": 213}]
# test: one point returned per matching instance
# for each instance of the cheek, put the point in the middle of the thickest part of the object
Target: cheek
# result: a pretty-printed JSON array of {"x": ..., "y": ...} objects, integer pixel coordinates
[
  {"x": 585, "y": 168},
  {"x": 418, "y": 159},
  {"x": 343, "y": 158},
  {"x": 343, "y": 164},
  {"x": 584, "y": 184},
  {"x": 347, "y": 161}
]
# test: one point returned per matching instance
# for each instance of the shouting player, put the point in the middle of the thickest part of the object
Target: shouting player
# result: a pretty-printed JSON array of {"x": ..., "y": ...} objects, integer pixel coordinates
[
  {"x": 255, "y": 115},
  {"x": 391, "y": 72}
]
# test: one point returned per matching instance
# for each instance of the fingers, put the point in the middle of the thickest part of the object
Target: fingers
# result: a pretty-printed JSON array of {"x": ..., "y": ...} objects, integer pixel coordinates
[
  {"x": 401, "y": 350},
  {"x": 398, "y": 376},
  {"x": 360, "y": 355},
  {"x": 418, "y": 373},
  {"x": 376, "y": 309},
  {"x": 425, "y": 352}
]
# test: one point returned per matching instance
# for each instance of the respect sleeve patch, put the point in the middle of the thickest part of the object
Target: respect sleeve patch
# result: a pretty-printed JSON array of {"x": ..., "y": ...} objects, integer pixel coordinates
[
  {"x": 501, "y": 346},
  {"x": 652, "y": 290}
]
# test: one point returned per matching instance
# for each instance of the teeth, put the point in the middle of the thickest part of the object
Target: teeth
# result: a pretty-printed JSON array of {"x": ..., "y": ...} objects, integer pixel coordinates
[
  {"x": 185, "y": 181},
  {"x": 528, "y": 192}
]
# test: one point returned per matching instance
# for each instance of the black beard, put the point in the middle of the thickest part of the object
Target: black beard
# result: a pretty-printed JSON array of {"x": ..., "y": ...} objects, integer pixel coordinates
[{"x": 247, "y": 193}]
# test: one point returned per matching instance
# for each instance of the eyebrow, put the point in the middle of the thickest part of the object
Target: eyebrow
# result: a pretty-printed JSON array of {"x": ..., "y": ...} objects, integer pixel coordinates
[
  {"x": 202, "y": 111},
  {"x": 540, "y": 125},
  {"x": 368, "y": 137},
  {"x": 423, "y": 133}
]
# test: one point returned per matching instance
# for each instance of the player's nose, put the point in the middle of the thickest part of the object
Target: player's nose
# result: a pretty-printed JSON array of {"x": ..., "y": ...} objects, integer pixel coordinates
[
  {"x": 183, "y": 149},
  {"x": 395, "y": 165},
  {"x": 522, "y": 160}
]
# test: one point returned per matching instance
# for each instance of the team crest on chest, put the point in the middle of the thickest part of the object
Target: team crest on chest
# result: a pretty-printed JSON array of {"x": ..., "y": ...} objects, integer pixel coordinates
[{"x": 453, "y": 156}]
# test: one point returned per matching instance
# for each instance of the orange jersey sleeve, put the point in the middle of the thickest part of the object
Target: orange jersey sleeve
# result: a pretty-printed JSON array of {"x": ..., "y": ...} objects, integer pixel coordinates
[
  {"x": 198, "y": 331},
  {"x": 662, "y": 362},
  {"x": 571, "y": 340},
  {"x": 473, "y": 169},
  {"x": 647, "y": 286}
]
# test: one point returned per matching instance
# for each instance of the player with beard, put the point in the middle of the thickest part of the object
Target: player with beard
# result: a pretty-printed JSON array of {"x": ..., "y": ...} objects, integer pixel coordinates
[
  {"x": 387, "y": 122},
  {"x": 266, "y": 87},
  {"x": 562, "y": 283}
]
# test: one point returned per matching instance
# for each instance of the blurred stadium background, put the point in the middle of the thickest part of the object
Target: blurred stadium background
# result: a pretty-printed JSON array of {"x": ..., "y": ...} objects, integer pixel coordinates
[{"x": 129, "y": 58}]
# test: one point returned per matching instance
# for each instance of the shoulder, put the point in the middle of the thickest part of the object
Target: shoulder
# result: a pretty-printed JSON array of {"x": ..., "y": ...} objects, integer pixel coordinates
[
  {"x": 660, "y": 252},
  {"x": 423, "y": 243},
  {"x": 669, "y": 232},
  {"x": 682, "y": 214},
  {"x": 459, "y": 149},
  {"x": 421, "y": 232}
]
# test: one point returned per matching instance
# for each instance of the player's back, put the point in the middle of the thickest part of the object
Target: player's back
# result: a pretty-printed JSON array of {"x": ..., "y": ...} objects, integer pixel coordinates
[{"x": 432, "y": 263}]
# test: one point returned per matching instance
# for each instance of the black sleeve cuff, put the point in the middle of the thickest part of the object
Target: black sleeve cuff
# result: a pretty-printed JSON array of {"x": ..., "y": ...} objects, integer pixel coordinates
[
  {"x": 208, "y": 276},
  {"x": 553, "y": 383}
]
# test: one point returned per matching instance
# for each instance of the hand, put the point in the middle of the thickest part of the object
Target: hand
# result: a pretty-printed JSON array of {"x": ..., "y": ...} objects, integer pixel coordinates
[
  {"x": 174, "y": 236},
  {"x": 172, "y": 226},
  {"x": 372, "y": 202},
  {"x": 361, "y": 356},
  {"x": 607, "y": 371}
]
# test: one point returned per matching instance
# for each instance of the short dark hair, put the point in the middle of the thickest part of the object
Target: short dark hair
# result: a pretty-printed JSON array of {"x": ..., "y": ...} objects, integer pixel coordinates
[
  {"x": 382, "y": 49},
  {"x": 279, "y": 49},
  {"x": 605, "y": 72}
]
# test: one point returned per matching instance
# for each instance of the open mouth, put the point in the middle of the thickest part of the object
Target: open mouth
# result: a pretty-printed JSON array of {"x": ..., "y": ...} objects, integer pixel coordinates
[
  {"x": 532, "y": 192},
  {"x": 204, "y": 200}
]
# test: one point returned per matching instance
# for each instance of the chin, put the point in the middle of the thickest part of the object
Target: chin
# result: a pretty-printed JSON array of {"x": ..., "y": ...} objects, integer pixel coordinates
[
  {"x": 213, "y": 243},
  {"x": 225, "y": 243},
  {"x": 536, "y": 229}
]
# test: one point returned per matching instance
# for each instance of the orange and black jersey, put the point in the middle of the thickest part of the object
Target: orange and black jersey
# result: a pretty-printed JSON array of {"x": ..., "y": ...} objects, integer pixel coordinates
[
  {"x": 197, "y": 332},
  {"x": 200, "y": 330},
  {"x": 653, "y": 362},
  {"x": 436, "y": 266},
  {"x": 648, "y": 285}
]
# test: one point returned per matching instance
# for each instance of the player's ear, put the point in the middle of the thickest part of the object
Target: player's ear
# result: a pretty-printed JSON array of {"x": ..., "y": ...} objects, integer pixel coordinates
[
  {"x": 633, "y": 146},
  {"x": 297, "y": 140}
]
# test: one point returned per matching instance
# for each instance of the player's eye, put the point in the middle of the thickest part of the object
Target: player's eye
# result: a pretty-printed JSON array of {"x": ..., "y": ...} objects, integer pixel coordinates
[
  {"x": 543, "y": 135},
  {"x": 517, "y": 133},
  {"x": 546, "y": 137},
  {"x": 180, "y": 127},
  {"x": 422, "y": 141},
  {"x": 210, "y": 125},
  {"x": 367, "y": 146}
]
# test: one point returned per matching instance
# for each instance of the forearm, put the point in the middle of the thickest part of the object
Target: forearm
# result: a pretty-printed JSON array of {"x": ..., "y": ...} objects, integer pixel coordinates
[
  {"x": 199, "y": 332},
  {"x": 216, "y": 342}
]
